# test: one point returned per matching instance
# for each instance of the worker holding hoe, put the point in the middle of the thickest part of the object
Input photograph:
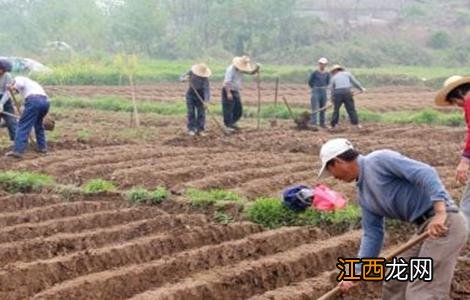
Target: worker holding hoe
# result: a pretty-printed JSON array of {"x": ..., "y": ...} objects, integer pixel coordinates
[
  {"x": 231, "y": 101},
  {"x": 6, "y": 104},
  {"x": 390, "y": 185},
  {"x": 318, "y": 83},
  {"x": 456, "y": 91},
  {"x": 341, "y": 84},
  {"x": 196, "y": 97},
  {"x": 36, "y": 107}
]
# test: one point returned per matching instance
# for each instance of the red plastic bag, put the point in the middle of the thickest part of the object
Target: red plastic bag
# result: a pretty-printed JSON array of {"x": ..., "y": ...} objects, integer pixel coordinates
[{"x": 327, "y": 200}]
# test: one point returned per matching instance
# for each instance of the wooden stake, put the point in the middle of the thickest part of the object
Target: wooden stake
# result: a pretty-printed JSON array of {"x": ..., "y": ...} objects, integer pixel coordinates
[
  {"x": 135, "y": 114},
  {"x": 276, "y": 91},
  {"x": 288, "y": 108},
  {"x": 258, "y": 85}
]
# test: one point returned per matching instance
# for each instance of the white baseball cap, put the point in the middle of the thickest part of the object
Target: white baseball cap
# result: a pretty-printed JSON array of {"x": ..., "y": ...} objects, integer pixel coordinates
[
  {"x": 332, "y": 149},
  {"x": 323, "y": 61}
]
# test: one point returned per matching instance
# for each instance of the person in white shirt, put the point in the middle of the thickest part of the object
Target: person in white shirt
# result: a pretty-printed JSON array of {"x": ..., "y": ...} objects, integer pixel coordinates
[
  {"x": 6, "y": 104},
  {"x": 36, "y": 107}
]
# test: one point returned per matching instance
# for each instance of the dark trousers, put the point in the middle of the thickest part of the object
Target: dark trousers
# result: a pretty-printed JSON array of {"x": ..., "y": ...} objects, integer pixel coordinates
[
  {"x": 232, "y": 109},
  {"x": 10, "y": 121},
  {"x": 345, "y": 98},
  {"x": 196, "y": 113},
  {"x": 36, "y": 108},
  {"x": 317, "y": 101}
]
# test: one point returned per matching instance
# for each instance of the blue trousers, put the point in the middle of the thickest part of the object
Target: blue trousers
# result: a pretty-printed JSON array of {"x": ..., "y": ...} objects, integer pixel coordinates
[
  {"x": 36, "y": 108},
  {"x": 317, "y": 101},
  {"x": 232, "y": 109},
  {"x": 9, "y": 120},
  {"x": 196, "y": 113}
]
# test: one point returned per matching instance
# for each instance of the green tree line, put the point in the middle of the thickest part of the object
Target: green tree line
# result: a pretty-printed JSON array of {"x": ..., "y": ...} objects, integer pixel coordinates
[{"x": 275, "y": 31}]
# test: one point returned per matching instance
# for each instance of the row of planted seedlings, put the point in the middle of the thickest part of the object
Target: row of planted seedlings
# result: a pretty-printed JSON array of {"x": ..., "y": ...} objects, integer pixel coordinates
[{"x": 223, "y": 205}]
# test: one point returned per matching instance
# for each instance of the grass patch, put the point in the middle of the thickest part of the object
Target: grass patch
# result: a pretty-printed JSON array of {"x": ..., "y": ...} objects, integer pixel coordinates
[
  {"x": 98, "y": 186},
  {"x": 199, "y": 198},
  {"x": 147, "y": 71},
  {"x": 427, "y": 116},
  {"x": 14, "y": 181},
  {"x": 140, "y": 195},
  {"x": 271, "y": 213},
  {"x": 178, "y": 108},
  {"x": 84, "y": 134}
]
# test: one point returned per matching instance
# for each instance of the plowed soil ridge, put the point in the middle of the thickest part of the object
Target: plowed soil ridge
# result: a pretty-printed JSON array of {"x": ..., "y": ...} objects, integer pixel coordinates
[
  {"x": 251, "y": 277},
  {"x": 170, "y": 269}
]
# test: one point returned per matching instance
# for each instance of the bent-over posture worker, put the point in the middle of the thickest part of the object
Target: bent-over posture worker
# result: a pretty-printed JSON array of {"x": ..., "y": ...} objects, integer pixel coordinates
[
  {"x": 341, "y": 84},
  {"x": 198, "y": 93},
  {"x": 36, "y": 107},
  {"x": 390, "y": 185},
  {"x": 232, "y": 107},
  {"x": 6, "y": 104}
]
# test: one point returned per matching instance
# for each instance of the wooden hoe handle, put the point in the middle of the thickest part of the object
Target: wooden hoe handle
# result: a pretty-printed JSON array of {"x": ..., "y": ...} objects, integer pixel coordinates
[{"x": 410, "y": 244}]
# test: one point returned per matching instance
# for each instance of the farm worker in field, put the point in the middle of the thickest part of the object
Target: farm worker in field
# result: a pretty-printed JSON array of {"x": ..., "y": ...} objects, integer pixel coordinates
[
  {"x": 318, "y": 83},
  {"x": 456, "y": 91},
  {"x": 231, "y": 101},
  {"x": 390, "y": 185},
  {"x": 6, "y": 104},
  {"x": 341, "y": 85},
  {"x": 36, "y": 107},
  {"x": 198, "y": 93}
]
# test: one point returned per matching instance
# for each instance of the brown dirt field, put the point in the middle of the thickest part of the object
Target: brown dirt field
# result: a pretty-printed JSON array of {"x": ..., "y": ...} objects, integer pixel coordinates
[
  {"x": 102, "y": 248},
  {"x": 392, "y": 98}
]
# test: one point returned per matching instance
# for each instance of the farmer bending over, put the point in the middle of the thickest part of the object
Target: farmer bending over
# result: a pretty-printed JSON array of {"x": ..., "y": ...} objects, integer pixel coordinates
[
  {"x": 198, "y": 93},
  {"x": 6, "y": 104},
  {"x": 456, "y": 91},
  {"x": 341, "y": 84},
  {"x": 394, "y": 186},
  {"x": 318, "y": 82},
  {"x": 36, "y": 107},
  {"x": 231, "y": 101}
]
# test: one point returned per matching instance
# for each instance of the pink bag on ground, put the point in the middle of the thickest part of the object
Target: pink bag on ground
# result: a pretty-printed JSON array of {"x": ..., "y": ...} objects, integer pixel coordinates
[{"x": 327, "y": 200}]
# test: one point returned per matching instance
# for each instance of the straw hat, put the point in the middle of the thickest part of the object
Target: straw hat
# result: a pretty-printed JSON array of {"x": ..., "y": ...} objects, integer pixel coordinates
[
  {"x": 323, "y": 61},
  {"x": 337, "y": 68},
  {"x": 450, "y": 84},
  {"x": 244, "y": 64},
  {"x": 201, "y": 70}
]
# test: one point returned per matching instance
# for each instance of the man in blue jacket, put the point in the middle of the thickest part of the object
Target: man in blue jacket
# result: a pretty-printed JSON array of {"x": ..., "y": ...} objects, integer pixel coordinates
[
  {"x": 318, "y": 83},
  {"x": 390, "y": 185}
]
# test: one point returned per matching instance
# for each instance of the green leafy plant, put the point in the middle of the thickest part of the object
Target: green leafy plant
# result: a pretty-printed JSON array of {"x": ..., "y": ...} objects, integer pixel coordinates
[
  {"x": 206, "y": 198},
  {"x": 140, "y": 195},
  {"x": 223, "y": 217},
  {"x": 98, "y": 186},
  {"x": 271, "y": 213},
  {"x": 159, "y": 194},
  {"x": 15, "y": 181}
]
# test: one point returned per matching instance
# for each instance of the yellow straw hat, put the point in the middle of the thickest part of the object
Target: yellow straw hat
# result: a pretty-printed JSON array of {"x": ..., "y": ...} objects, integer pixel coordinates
[
  {"x": 201, "y": 70},
  {"x": 336, "y": 68},
  {"x": 450, "y": 84},
  {"x": 244, "y": 64}
]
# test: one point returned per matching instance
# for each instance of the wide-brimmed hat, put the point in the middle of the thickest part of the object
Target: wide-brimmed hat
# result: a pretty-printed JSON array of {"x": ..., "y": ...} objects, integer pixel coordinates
[
  {"x": 323, "y": 61},
  {"x": 450, "y": 84},
  {"x": 244, "y": 64},
  {"x": 201, "y": 70},
  {"x": 337, "y": 68}
]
